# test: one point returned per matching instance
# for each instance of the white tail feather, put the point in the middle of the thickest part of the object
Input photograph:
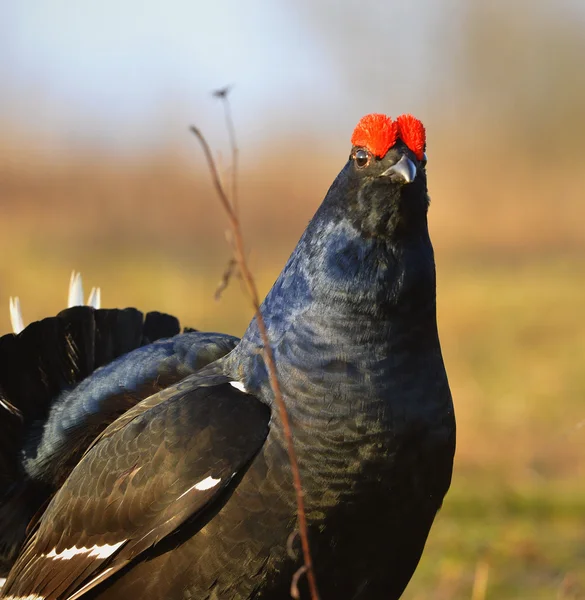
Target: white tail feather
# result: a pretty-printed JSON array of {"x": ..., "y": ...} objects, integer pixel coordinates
[
  {"x": 95, "y": 298},
  {"x": 75, "y": 297},
  {"x": 16, "y": 315}
]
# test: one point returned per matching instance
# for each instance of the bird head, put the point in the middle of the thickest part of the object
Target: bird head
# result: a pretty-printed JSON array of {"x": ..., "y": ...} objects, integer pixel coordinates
[
  {"x": 386, "y": 176},
  {"x": 365, "y": 251}
]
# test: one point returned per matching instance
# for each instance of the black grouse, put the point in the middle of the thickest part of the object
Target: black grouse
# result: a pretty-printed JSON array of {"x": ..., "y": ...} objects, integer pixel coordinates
[
  {"x": 188, "y": 494},
  {"x": 51, "y": 410}
]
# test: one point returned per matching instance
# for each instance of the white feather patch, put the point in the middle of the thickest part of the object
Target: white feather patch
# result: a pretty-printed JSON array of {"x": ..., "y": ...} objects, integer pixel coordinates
[
  {"x": 16, "y": 412},
  {"x": 239, "y": 386},
  {"x": 206, "y": 484},
  {"x": 16, "y": 315},
  {"x": 29, "y": 597},
  {"x": 201, "y": 486},
  {"x": 95, "y": 298},
  {"x": 75, "y": 297},
  {"x": 2, "y": 582},
  {"x": 95, "y": 551},
  {"x": 92, "y": 583}
]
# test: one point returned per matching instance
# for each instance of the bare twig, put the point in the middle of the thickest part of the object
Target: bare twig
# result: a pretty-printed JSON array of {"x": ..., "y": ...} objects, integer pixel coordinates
[
  {"x": 480, "y": 580},
  {"x": 222, "y": 94},
  {"x": 294, "y": 584},
  {"x": 570, "y": 588},
  {"x": 225, "y": 278},
  {"x": 290, "y": 550},
  {"x": 250, "y": 284}
]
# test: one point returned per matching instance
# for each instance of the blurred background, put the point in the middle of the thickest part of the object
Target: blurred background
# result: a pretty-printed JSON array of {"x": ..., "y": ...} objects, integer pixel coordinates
[{"x": 99, "y": 173}]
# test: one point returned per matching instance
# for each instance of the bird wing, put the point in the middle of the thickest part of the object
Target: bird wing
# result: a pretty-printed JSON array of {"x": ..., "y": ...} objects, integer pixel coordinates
[
  {"x": 163, "y": 462},
  {"x": 81, "y": 414},
  {"x": 63, "y": 380},
  {"x": 54, "y": 355}
]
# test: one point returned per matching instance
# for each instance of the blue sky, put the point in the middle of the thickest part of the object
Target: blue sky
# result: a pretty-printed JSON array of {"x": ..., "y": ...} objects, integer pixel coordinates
[
  {"x": 127, "y": 73},
  {"x": 123, "y": 72}
]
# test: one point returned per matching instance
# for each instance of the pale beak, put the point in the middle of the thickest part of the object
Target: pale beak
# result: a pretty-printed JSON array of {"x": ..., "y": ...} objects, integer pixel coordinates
[{"x": 405, "y": 169}]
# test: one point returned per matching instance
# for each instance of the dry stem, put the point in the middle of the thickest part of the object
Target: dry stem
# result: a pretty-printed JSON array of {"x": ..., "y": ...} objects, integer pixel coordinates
[
  {"x": 250, "y": 284},
  {"x": 480, "y": 580},
  {"x": 222, "y": 95}
]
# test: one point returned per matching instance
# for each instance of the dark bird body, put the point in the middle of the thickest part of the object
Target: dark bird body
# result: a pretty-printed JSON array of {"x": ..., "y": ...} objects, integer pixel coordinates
[
  {"x": 189, "y": 493},
  {"x": 65, "y": 379}
]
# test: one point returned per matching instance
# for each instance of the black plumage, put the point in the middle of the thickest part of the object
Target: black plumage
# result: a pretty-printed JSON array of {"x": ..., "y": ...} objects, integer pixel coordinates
[
  {"x": 189, "y": 494},
  {"x": 52, "y": 410}
]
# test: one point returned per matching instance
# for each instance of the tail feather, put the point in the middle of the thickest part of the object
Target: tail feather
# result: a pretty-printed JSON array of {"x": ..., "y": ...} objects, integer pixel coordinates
[
  {"x": 95, "y": 298},
  {"x": 45, "y": 359},
  {"x": 54, "y": 354},
  {"x": 117, "y": 331},
  {"x": 26, "y": 378},
  {"x": 159, "y": 325},
  {"x": 75, "y": 295},
  {"x": 20, "y": 504},
  {"x": 16, "y": 319}
]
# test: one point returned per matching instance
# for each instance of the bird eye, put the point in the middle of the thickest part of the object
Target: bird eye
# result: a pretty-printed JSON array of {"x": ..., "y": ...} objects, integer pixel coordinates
[
  {"x": 362, "y": 158},
  {"x": 423, "y": 162}
]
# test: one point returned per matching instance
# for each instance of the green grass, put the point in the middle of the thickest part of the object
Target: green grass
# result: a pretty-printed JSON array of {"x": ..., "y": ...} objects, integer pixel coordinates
[{"x": 530, "y": 538}]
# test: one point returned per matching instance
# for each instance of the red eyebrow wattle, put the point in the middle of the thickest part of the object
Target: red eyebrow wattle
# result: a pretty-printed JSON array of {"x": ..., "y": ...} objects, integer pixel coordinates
[
  {"x": 375, "y": 132},
  {"x": 412, "y": 132}
]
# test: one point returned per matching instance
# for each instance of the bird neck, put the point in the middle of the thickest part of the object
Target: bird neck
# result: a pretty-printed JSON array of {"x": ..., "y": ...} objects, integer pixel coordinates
[{"x": 343, "y": 297}]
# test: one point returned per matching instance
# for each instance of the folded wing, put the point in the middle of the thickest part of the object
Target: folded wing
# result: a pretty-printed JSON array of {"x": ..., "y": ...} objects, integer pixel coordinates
[{"x": 175, "y": 455}]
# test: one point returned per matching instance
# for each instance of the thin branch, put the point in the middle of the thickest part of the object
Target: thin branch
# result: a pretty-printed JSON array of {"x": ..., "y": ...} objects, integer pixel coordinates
[
  {"x": 294, "y": 584},
  {"x": 250, "y": 284},
  {"x": 290, "y": 550},
  {"x": 225, "y": 278},
  {"x": 222, "y": 94},
  {"x": 480, "y": 580}
]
